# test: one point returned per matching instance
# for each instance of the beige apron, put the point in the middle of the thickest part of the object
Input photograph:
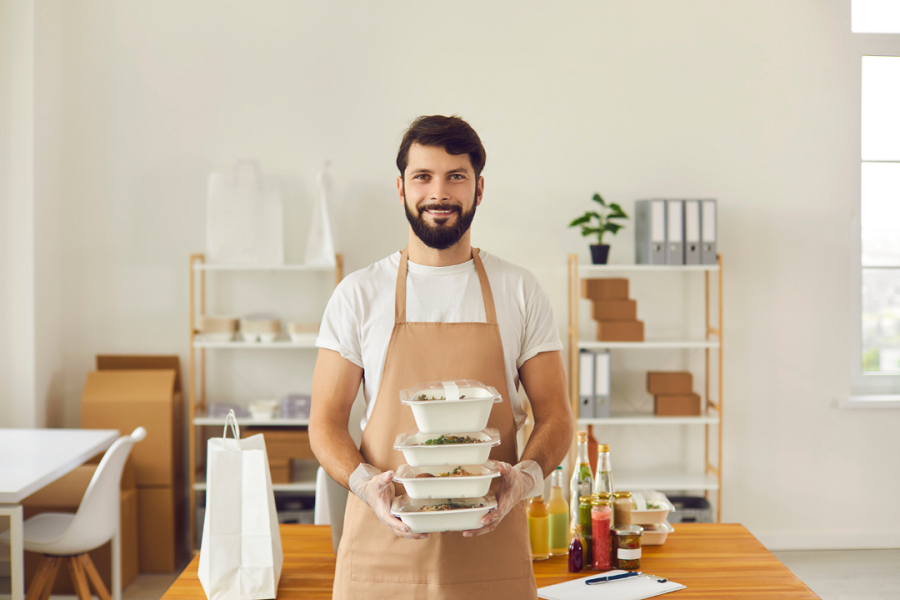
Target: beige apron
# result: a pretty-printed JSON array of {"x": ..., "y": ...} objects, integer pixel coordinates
[{"x": 372, "y": 562}]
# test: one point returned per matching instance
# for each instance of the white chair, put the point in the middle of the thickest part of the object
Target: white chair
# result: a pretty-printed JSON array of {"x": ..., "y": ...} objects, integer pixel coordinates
[{"x": 61, "y": 536}]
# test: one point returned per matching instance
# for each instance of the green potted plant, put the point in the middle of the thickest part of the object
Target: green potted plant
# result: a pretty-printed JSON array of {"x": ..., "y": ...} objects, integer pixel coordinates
[{"x": 598, "y": 223}]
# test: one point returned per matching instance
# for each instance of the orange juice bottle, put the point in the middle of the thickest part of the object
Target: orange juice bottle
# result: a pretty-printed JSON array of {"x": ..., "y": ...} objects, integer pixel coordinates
[{"x": 539, "y": 528}]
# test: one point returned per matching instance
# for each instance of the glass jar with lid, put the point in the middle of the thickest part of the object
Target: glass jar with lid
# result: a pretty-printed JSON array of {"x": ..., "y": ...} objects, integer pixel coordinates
[
  {"x": 622, "y": 509},
  {"x": 628, "y": 547}
]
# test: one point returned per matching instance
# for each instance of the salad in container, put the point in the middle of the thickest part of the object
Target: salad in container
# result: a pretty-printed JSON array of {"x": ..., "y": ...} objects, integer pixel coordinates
[
  {"x": 649, "y": 508},
  {"x": 448, "y": 406},
  {"x": 447, "y": 481},
  {"x": 428, "y": 449},
  {"x": 442, "y": 514}
]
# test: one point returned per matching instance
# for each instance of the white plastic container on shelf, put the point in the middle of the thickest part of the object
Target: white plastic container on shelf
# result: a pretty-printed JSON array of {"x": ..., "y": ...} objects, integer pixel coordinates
[
  {"x": 418, "y": 453},
  {"x": 649, "y": 508},
  {"x": 410, "y": 512},
  {"x": 655, "y": 535},
  {"x": 454, "y": 486},
  {"x": 448, "y": 406}
]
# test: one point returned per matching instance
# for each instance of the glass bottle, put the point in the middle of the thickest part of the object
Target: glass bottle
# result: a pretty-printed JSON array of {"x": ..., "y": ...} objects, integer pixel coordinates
[
  {"x": 603, "y": 480},
  {"x": 628, "y": 547},
  {"x": 622, "y": 509},
  {"x": 539, "y": 528},
  {"x": 576, "y": 551},
  {"x": 601, "y": 516},
  {"x": 584, "y": 520},
  {"x": 559, "y": 515},
  {"x": 582, "y": 480}
]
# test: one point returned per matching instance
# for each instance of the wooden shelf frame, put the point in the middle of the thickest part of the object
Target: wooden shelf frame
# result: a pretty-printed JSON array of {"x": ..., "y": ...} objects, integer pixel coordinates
[
  {"x": 713, "y": 342},
  {"x": 198, "y": 268}
]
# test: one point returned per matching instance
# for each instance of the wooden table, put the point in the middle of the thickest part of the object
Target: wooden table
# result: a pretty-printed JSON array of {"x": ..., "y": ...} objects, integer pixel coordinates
[
  {"x": 721, "y": 561},
  {"x": 29, "y": 460}
]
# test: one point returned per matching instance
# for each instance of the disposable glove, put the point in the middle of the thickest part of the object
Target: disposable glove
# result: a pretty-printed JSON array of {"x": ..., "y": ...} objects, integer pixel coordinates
[
  {"x": 377, "y": 490},
  {"x": 524, "y": 480}
]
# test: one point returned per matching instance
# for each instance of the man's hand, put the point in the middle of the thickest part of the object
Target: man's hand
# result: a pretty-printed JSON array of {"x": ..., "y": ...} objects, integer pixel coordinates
[
  {"x": 516, "y": 484},
  {"x": 376, "y": 489}
]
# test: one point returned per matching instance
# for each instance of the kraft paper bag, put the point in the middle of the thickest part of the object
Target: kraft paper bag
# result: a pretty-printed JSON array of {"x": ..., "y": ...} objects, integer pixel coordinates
[
  {"x": 240, "y": 554},
  {"x": 244, "y": 217}
]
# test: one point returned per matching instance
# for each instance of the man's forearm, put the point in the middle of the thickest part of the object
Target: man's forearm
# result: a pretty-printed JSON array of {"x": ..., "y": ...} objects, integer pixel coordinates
[
  {"x": 549, "y": 442},
  {"x": 335, "y": 451}
]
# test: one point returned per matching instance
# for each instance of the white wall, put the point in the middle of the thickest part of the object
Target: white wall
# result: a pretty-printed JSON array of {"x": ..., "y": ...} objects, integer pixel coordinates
[{"x": 753, "y": 103}]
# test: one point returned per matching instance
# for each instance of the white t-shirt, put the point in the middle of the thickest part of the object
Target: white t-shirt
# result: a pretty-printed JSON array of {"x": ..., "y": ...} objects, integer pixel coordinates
[{"x": 359, "y": 318}]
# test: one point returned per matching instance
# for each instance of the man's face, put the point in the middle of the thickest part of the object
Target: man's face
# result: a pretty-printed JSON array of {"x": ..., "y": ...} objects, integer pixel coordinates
[{"x": 439, "y": 192}]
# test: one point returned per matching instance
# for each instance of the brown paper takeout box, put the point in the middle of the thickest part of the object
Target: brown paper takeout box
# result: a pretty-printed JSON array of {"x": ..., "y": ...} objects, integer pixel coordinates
[
  {"x": 620, "y": 331},
  {"x": 677, "y": 405},
  {"x": 670, "y": 382},
  {"x": 614, "y": 310},
  {"x": 64, "y": 495},
  {"x": 605, "y": 289},
  {"x": 127, "y": 392}
]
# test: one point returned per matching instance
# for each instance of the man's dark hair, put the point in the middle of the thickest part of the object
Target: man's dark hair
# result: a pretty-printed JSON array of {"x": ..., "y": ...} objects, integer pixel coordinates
[{"x": 450, "y": 133}]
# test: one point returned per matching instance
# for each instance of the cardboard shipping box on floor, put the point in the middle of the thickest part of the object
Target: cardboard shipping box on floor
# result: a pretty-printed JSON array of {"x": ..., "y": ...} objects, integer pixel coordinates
[
  {"x": 670, "y": 382},
  {"x": 64, "y": 495},
  {"x": 162, "y": 527},
  {"x": 677, "y": 405},
  {"x": 620, "y": 331}
]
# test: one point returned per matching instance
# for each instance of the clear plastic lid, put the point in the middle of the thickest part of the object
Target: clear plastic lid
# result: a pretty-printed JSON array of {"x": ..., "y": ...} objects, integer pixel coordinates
[
  {"x": 415, "y": 438},
  {"x": 405, "y": 504},
  {"x": 459, "y": 390},
  {"x": 406, "y": 473}
]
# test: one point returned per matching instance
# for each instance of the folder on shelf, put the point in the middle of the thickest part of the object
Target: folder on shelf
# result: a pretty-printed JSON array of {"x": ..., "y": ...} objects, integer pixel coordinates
[
  {"x": 692, "y": 255},
  {"x": 601, "y": 384},
  {"x": 709, "y": 232},
  {"x": 586, "y": 384},
  {"x": 650, "y": 232},
  {"x": 674, "y": 232}
]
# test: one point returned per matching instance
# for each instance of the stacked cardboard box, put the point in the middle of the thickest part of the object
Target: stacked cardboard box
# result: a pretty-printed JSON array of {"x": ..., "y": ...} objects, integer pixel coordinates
[
  {"x": 283, "y": 444},
  {"x": 130, "y": 391},
  {"x": 614, "y": 311},
  {"x": 673, "y": 394},
  {"x": 64, "y": 496}
]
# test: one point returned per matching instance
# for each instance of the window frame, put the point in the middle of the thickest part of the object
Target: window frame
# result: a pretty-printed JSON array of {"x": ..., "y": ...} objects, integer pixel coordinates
[{"x": 865, "y": 44}]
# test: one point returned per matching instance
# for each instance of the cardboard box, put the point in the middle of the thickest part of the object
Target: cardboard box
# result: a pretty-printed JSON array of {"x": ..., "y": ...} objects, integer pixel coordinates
[
  {"x": 124, "y": 400},
  {"x": 670, "y": 382},
  {"x": 614, "y": 310},
  {"x": 138, "y": 362},
  {"x": 280, "y": 470},
  {"x": 162, "y": 529},
  {"x": 282, "y": 442},
  {"x": 677, "y": 405},
  {"x": 64, "y": 495},
  {"x": 620, "y": 331},
  {"x": 605, "y": 289}
]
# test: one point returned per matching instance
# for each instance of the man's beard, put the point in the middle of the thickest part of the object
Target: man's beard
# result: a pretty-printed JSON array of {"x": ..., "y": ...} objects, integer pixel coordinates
[{"x": 439, "y": 237}]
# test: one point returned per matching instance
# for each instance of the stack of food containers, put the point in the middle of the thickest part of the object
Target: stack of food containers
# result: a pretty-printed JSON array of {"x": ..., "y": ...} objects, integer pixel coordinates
[
  {"x": 448, "y": 474},
  {"x": 650, "y": 510}
]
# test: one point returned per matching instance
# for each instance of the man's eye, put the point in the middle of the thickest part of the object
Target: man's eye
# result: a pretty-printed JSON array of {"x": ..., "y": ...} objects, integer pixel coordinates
[
  {"x": 457, "y": 176},
  {"x": 421, "y": 176}
]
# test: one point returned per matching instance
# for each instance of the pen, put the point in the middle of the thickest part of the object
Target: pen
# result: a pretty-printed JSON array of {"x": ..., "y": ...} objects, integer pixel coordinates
[{"x": 608, "y": 578}]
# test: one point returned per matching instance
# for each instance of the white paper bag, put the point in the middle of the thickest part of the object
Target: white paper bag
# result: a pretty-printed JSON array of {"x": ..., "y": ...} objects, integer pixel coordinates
[
  {"x": 320, "y": 243},
  {"x": 244, "y": 217},
  {"x": 240, "y": 555}
]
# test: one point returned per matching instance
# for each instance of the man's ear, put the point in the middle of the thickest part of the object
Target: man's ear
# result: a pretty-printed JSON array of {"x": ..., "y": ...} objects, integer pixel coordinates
[
  {"x": 479, "y": 191},
  {"x": 400, "y": 190}
]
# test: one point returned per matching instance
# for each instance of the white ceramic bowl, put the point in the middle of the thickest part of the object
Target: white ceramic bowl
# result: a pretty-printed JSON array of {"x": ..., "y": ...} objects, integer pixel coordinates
[
  {"x": 250, "y": 337},
  {"x": 419, "y": 454},
  {"x": 263, "y": 410},
  {"x": 408, "y": 510},
  {"x": 267, "y": 337},
  {"x": 655, "y": 535},
  {"x": 473, "y": 486},
  {"x": 448, "y": 406}
]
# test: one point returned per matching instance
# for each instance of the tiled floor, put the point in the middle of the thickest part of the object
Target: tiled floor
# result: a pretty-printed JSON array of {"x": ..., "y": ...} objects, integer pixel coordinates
[{"x": 847, "y": 574}]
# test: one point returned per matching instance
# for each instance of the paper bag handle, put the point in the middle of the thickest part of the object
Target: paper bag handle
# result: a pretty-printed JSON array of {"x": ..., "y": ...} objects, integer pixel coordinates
[{"x": 235, "y": 428}]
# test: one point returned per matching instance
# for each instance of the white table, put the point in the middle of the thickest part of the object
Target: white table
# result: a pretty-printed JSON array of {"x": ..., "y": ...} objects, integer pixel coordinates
[{"x": 29, "y": 460}]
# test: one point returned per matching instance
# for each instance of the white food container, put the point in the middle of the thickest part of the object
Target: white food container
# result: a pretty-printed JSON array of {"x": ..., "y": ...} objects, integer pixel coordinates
[
  {"x": 408, "y": 510},
  {"x": 642, "y": 514},
  {"x": 655, "y": 535},
  {"x": 466, "y": 405},
  {"x": 263, "y": 410},
  {"x": 473, "y": 486},
  {"x": 418, "y": 454}
]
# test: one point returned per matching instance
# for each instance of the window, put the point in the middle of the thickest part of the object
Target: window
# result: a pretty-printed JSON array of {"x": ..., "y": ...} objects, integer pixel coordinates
[{"x": 876, "y": 360}]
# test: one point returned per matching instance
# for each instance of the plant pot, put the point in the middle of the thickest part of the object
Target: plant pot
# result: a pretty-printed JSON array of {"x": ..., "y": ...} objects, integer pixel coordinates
[{"x": 599, "y": 254}]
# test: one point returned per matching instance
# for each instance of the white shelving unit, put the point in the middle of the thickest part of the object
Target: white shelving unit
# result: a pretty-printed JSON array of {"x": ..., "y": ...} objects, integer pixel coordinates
[
  {"x": 304, "y": 477},
  {"x": 710, "y": 480}
]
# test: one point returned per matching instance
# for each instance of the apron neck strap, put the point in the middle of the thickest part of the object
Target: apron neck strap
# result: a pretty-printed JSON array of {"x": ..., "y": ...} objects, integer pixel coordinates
[{"x": 400, "y": 293}]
